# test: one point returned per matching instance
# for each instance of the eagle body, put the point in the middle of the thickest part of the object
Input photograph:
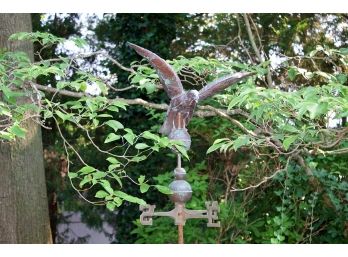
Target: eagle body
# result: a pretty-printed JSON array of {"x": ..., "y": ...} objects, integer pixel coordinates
[{"x": 183, "y": 103}]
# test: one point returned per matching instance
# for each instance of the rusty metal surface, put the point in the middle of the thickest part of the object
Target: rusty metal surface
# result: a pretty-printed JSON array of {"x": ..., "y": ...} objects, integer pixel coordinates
[
  {"x": 182, "y": 191},
  {"x": 147, "y": 214},
  {"x": 179, "y": 132},
  {"x": 181, "y": 135},
  {"x": 183, "y": 105},
  {"x": 179, "y": 173},
  {"x": 183, "y": 102},
  {"x": 222, "y": 83},
  {"x": 179, "y": 114},
  {"x": 168, "y": 77},
  {"x": 180, "y": 214}
]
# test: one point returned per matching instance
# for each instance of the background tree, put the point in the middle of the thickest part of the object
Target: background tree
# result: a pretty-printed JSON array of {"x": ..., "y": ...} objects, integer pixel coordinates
[
  {"x": 269, "y": 139},
  {"x": 23, "y": 208}
]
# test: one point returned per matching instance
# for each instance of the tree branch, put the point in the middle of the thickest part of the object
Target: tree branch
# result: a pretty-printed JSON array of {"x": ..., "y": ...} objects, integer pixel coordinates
[
  {"x": 256, "y": 50},
  {"x": 332, "y": 152},
  {"x": 264, "y": 180},
  {"x": 202, "y": 111},
  {"x": 235, "y": 122},
  {"x": 303, "y": 164}
]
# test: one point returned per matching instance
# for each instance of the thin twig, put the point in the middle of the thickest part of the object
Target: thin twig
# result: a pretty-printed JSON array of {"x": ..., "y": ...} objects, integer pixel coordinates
[
  {"x": 265, "y": 179},
  {"x": 256, "y": 50}
]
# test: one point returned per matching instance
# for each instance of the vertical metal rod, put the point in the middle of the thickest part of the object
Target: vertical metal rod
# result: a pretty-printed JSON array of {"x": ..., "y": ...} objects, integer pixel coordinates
[
  {"x": 179, "y": 161},
  {"x": 180, "y": 234},
  {"x": 180, "y": 226},
  {"x": 180, "y": 213}
]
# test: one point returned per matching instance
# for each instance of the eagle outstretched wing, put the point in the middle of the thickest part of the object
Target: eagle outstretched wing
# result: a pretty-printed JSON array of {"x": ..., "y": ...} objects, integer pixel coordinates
[
  {"x": 168, "y": 77},
  {"x": 222, "y": 83},
  {"x": 183, "y": 103}
]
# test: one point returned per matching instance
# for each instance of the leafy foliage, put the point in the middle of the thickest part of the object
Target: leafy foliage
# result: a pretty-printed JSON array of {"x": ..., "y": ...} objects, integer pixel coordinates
[
  {"x": 276, "y": 162},
  {"x": 86, "y": 113}
]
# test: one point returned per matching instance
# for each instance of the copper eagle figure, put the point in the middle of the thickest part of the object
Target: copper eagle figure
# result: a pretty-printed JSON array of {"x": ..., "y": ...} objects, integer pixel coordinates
[{"x": 183, "y": 103}]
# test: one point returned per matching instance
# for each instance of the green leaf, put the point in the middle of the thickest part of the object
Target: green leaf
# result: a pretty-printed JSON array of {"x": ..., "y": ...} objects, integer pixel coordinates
[
  {"x": 114, "y": 124},
  {"x": 317, "y": 109},
  {"x": 182, "y": 151},
  {"x": 111, "y": 206},
  {"x": 106, "y": 185},
  {"x": 102, "y": 86},
  {"x": 79, "y": 42},
  {"x": 6, "y": 135},
  {"x": 129, "y": 198},
  {"x": 130, "y": 138},
  {"x": 153, "y": 76},
  {"x": 288, "y": 141},
  {"x": 137, "y": 78},
  {"x": 141, "y": 146},
  {"x": 234, "y": 102},
  {"x": 104, "y": 115},
  {"x": 240, "y": 141},
  {"x": 63, "y": 116},
  {"x": 72, "y": 175},
  {"x": 85, "y": 180},
  {"x": 138, "y": 158},
  {"x": 274, "y": 241},
  {"x": 144, "y": 188},
  {"x": 313, "y": 165},
  {"x": 111, "y": 137},
  {"x": 109, "y": 197},
  {"x": 118, "y": 201},
  {"x": 150, "y": 87},
  {"x": 10, "y": 95},
  {"x": 214, "y": 147},
  {"x": 120, "y": 104},
  {"x": 217, "y": 144},
  {"x": 112, "y": 160},
  {"x": 165, "y": 141},
  {"x": 18, "y": 131},
  {"x": 341, "y": 78},
  {"x": 141, "y": 179},
  {"x": 113, "y": 166},
  {"x": 86, "y": 170},
  {"x": 47, "y": 114},
  {"x": 5, "y": 111},
  {"x": 149, "y": 135},
  {"x": 101, "y": 194},
  {"x": 117, "y": 178},
  {"x": 344, "y": 51},
  {"x": 310, "y": 94},
  {"x": 226, "y": 147},
  {"x": 113, "y": 108},
  {"x": 99, "y": 175},
  {"x": 18, "y": 36},
  {"x": 289, "y": 128},
  {"x": 95, "y": 123},
  {"x": 164, "y": 189},
  {"x": 292, "y": 73}
]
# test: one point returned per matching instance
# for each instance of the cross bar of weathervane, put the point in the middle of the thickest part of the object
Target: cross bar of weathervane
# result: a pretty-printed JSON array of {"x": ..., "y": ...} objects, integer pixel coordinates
[{"x": 180, "y": 214}]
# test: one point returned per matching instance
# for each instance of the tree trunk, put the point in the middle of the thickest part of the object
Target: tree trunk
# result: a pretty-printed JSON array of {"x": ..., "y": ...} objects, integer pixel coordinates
[{"x": 23, "y": 197}]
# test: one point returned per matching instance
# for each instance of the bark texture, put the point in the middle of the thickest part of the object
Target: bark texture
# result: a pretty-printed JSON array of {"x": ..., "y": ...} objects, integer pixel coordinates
[{"x": 23, "y": 197}]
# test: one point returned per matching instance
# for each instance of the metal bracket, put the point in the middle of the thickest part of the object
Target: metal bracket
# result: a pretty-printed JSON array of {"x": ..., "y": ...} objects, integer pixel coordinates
[{"x": 180, "y": 214}]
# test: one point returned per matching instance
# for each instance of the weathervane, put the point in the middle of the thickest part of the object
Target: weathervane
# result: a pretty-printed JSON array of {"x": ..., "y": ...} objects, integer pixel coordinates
[{"x": 179, "y": 114}]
